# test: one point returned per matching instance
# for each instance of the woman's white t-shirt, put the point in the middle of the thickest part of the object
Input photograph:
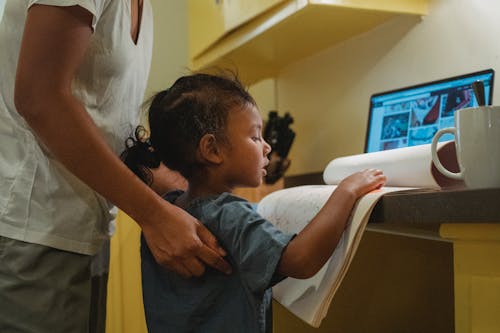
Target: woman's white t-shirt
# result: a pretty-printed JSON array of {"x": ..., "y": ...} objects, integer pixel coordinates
[{"x": 40, "y": 201}]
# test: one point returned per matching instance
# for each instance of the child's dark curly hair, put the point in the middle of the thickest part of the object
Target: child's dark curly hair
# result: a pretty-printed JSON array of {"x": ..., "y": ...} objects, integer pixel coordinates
[{"x": 180, "y": 116}]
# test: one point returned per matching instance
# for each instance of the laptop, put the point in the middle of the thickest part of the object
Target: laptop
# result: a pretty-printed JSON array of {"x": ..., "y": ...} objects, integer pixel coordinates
[{"x": 411, "y": 116}]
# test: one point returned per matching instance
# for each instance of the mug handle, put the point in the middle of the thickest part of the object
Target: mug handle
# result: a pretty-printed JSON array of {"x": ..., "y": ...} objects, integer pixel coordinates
[{"x": 435, "y": 157}]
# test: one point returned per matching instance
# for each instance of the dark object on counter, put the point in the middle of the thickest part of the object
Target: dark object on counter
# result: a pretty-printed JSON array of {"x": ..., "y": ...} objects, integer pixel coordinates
[
  {"x": 448, "y": 156},
  {"x": 280, "y": 137},
  {"x": 478, "y": 88}
]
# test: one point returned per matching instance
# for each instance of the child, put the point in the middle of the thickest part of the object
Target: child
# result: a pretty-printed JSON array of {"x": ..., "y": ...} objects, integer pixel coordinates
[{"x": 209, "y": 129}]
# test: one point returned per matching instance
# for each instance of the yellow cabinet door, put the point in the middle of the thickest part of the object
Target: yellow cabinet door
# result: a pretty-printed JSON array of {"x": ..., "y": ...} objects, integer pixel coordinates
[
  {"x": 210, "y": 20},
  {"x": 238, "y": 12},
  {"x": 206, "y": 24}
]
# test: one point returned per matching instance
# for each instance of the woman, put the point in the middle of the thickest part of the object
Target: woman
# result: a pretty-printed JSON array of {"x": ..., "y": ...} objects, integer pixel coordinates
[{"x": 72, "y": 82}]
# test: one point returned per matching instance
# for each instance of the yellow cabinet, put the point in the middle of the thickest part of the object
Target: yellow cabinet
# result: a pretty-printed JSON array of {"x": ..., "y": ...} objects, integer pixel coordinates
[
  {"x": 258, "y": 38},
  {"x": 206, "y": 24},
  {"x": 476, "y": 256},
  {"x": 210, "y": 20}
]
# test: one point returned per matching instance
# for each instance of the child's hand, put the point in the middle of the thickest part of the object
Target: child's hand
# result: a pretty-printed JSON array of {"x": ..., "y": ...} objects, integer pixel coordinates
[
  {"x": 310, "y": 249},
  {"x": 363, "y": 182}
]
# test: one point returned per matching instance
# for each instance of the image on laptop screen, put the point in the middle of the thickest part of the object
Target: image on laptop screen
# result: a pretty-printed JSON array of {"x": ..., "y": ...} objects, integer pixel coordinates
[{"x": 411, "y": 116}]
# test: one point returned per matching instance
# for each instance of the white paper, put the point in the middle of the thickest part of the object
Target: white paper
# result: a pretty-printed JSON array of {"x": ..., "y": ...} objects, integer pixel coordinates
[
  {"x": 291, "y": 210},
  {"x": 409, "y": 166}
]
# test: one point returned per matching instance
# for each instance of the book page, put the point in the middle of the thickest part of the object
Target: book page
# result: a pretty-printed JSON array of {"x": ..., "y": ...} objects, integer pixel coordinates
[{"x": 290, "y": 210}]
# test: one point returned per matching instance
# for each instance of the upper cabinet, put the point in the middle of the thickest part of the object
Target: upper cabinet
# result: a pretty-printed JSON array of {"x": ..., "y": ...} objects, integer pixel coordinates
[
  {"x": 210, "y": 20},
  {"x": 259, "y": 37}
]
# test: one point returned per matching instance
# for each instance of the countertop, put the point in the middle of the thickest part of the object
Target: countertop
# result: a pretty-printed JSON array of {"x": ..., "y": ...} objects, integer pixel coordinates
[{"x": 420, "y": 212}]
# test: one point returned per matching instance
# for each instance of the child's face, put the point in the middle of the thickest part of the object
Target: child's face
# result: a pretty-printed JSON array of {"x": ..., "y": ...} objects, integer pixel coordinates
[{"x": 245, "y": 159}]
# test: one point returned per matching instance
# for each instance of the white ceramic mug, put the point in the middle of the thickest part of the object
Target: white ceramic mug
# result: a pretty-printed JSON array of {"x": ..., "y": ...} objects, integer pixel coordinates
[{"x": 477, "y": 141}]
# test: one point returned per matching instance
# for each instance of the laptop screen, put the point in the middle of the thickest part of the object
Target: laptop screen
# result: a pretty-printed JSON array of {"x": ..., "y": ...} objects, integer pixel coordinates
[{"x": 411, "y": 116}]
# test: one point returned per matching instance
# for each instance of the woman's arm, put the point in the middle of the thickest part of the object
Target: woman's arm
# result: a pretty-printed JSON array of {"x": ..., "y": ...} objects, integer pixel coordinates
[
  {"x": 54, "y": 43},
  {"x": 310, "y": 249}
]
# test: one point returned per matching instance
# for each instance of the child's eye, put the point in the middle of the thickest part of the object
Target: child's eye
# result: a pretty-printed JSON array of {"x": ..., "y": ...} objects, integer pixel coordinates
[{"x": 256, "y": 138}]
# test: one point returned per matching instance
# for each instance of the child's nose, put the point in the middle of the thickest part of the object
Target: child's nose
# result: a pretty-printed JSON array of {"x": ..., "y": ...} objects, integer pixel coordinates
[{"x": 267, "y": 148}]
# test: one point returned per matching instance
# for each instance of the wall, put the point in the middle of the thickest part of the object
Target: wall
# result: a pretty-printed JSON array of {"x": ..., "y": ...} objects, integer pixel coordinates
[
  {"x": 2, "y": 5},
  {"x": 328, "y": 93},
  {"x": 170, "y": 48}
]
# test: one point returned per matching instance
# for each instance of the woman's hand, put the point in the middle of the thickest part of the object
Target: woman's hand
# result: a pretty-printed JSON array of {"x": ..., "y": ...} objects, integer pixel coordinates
[{"x": 181, "y": 243}]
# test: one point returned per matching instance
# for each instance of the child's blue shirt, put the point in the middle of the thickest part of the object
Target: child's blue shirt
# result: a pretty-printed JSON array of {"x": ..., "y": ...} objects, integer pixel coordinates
[{"x": 215, "y": 302}]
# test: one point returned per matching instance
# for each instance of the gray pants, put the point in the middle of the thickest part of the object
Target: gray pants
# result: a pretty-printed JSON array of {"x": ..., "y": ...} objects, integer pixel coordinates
[{"x": 43, "y": 289}]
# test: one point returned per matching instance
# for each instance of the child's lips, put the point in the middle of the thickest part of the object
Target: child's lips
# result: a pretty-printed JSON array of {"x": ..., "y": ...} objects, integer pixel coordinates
[{"x": 264, "y": 168}]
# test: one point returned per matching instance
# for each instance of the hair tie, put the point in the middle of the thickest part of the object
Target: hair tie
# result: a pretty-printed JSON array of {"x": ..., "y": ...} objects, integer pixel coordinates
[{"x": 139, "y": 155}]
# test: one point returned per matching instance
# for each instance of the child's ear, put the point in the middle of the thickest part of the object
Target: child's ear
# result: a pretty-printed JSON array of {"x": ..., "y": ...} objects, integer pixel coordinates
[{"x": 210, "y": 150}]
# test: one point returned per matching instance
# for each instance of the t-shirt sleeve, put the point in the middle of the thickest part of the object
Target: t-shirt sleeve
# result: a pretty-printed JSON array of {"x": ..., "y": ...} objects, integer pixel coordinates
[
  {"x": 253, "y": 242},
  {"x": 95, "y": 7}
]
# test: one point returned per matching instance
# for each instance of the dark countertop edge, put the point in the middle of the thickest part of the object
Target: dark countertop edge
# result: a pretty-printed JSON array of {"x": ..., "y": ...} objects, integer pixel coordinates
[
  {"x": 430, "y": 233},
  {"x": 421, "y": 208}
]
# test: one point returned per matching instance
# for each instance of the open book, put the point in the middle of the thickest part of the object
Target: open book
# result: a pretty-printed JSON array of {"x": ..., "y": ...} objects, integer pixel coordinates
[{"x": 291, "y": 209}]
